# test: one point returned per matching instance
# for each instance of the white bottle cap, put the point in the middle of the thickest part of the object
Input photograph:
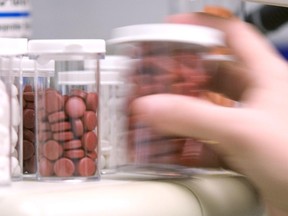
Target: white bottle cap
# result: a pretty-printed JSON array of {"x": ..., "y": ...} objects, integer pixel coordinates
[
  {"x": 182, "y": 33},
  {"x": 13, "y": 46}
]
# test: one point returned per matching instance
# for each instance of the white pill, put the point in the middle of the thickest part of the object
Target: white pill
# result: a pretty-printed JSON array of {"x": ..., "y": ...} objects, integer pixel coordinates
[
  {"x": 14, "y": 138},
  {"x": 4, "y": 108},
  {"x": 14, "y": 153},
  {"x": 14, "y": 91},
  {"x": 16, "y": 112}
]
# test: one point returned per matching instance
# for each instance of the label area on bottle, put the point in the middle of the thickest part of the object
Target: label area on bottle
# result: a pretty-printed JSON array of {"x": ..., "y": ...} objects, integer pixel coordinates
[{"x": 15, "y": 18}]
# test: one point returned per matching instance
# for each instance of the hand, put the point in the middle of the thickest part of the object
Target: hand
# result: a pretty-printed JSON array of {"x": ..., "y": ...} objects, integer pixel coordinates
[{"x": 253, "y": 139}]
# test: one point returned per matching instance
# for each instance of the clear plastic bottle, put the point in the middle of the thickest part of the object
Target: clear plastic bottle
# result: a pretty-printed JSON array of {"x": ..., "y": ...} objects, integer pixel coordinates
[
  {"x": 67, "y": 112},
  {"x": 12, "y": 51},
  {"x": 166, "y": 58}
]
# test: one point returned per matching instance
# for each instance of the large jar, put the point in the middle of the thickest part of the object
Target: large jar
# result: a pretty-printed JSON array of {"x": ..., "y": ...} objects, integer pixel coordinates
[
  {"x": 166, "y": 58},
  {"x": 67, "y": 114}
]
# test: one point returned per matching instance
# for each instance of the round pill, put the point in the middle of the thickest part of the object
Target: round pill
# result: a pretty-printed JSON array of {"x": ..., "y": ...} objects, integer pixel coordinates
[
  {"x": 86, "y": 167},
  {"x": 30, "y": 106},
  {"x": 63, "y": 136},
  {"x": 60, "y": 126},
  {"x": 28, "y": 149},
  {"x": 45, "y": 167},
  {"x": 52, "y": 150},
  {"x": 79, "y": 93},
  {"x": 75, "y": 107},
  {"x": 54, "y": 101},
  {"x": 57, "y": 116},
  {"x": 90, "y": 120},
  {"x": 28, "y": 135},
  {"x": 64, "y": 167},
  {"x": 28, "y": 118},
  {"x": 28, "y": 88},
  {"x": 92, "y": 101},
  {"x": 77, "y": 127},
  {"x": 72, "y": 144},
  {"x": 74, "y": 154},
  {"x": 44, "y": 136},
  {"x": 29, "y": 96},
  {"x": 92, "y": 155},
  {"x": 30, "y": 165},
  {"x": 89, "y": 141}
]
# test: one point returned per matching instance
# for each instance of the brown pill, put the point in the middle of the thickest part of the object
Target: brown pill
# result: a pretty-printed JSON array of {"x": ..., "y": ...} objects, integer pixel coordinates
[
  {"x": 92, "y": 155},
  {"x": 92, "y": 101},
  {"x": 28, "y": 88},
  {"x": 54, "y": 101},
  {"x": 89, "y": 141},
  {"x": 60, "y": 126},
  {"x": 86, "y": 167},
  {"x": 74, "y": 154},
  {"x": 75, "y": 107},
  {"x": 44, "y": 126},
  {"x": 44, "y": 136},
  {"x": 29, "y": 96},
  {"x": 29, "y": 165},
  {"x": 77, "y": 127},
  {"x": 90, "y": 120},
  {"x": 63, "y": 136},
  {"x": 28, "y": 149},
  {"x": 72, "y": 144},
  {"x": 218, "y": 11},
  {"x": 45, "y": 167},
  {"x": 57, "y": 116},
  {"x": 52, "y": 150},
  {"x": 29, "y": 135},
  {"x": 28, "y": 118},
  {"x": 64, "y": 167},
  {"x": 30, "y": 106},
  {"x": 79, "y": 93}
]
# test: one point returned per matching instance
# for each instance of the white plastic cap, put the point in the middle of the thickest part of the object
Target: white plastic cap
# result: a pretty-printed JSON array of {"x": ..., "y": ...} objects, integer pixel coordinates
[
  {"x": 111, "y": 62},
  {"x": 183, "y": 33},
  {"x": 66, "y": 46},
  {"x": 77, "y": 78},
  {"x": 13, "y": 46}
]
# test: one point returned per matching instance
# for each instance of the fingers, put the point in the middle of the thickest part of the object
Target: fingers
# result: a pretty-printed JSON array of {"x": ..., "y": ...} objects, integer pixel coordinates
[{"x": 247, "y": 44}]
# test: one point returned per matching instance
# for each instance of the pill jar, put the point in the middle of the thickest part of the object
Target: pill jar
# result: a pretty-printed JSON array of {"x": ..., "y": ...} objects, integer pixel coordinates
[
  {"x": 114, "y": 91},
  {"x": 67, "y": 112},
  {"x": 12, "y": 51},
  {"x": 166, "y": 58},
  {"x": 15, "y": 19}
]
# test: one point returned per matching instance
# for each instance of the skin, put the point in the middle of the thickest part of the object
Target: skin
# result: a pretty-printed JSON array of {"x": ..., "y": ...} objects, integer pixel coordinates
[{"x": 252, "y": 139}]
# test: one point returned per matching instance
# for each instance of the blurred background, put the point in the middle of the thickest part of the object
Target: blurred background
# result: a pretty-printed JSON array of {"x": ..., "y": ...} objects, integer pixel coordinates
[{"x": 69, "y": 19}]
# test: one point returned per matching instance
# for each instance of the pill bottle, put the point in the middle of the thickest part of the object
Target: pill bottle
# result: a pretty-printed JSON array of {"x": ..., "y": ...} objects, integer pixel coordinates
[
  {"x": 166, "y": 58},
  {"x": 15, "y": 19},
  {"x": 12, "y": 51},
  {"x": 45, "y": 72},
  {"x": 67, "y": 111},
  {"x": 113, "y": 95}
]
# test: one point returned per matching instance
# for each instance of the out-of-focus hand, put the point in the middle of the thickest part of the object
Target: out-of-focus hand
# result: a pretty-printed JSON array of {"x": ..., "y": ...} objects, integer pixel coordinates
[{"x": 253, "y": 139}]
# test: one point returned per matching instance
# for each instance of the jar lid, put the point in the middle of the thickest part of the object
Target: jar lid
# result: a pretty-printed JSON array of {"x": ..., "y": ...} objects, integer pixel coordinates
[
  {"x": 66, "y": 46},
  {"x": 182, "y": 33},
  {"x": 13, "y": 46}
]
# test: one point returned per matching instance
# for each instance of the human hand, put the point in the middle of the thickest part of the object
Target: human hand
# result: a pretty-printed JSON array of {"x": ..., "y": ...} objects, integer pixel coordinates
[{"x": 252, "y": 139}]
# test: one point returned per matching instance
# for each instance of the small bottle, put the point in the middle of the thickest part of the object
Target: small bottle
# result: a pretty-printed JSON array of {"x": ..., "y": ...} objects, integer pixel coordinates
[
  {"x": 67, "y": 112},
  {"x": 12, "y": 51},
  {"x": 166, "y": 58}
]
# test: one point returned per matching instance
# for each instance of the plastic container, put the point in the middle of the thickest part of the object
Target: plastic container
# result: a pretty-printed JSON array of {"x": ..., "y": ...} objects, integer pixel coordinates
[
  {"x": 113, "y": 95},
  {"x": 67, "y": 112},
  {"x": 166, "y": 58},
  {"x": 12, "y": 51},
  {"x": 15, "y": 19}
]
